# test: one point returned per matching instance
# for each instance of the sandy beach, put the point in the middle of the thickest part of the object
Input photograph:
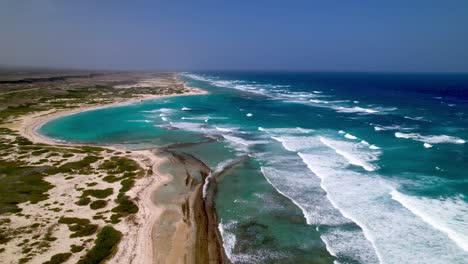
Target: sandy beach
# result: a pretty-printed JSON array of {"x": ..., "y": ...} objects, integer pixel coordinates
[{"x": 146, "y": 237}]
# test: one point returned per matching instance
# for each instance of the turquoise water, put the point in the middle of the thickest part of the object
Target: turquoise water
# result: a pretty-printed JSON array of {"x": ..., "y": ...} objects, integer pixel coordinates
[{"x": 351, "y": 168}]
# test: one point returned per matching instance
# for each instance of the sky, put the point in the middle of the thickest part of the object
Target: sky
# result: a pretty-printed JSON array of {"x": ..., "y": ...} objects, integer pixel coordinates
[{"x": 293, "y": 35}]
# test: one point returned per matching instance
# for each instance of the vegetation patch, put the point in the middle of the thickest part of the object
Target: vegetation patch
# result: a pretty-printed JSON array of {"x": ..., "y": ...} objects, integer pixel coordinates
[
  {"x": 117, "y": 165},
  {"x": 98, "y": 193},
  {"x": 58, "y": 258},
  {"x": 19, "y": 184},
  {"x": 98, "y": 204},
  {"x": 125, "y": 207},
  {"x": 83, "y": 201},
  {"x": 127, "y": 184},
  {"x": 79, "y": 226},
  {"x": 105, "y": 245},
  {"x": 81, "y": 167},
  {"x": 76, "y": 248}
]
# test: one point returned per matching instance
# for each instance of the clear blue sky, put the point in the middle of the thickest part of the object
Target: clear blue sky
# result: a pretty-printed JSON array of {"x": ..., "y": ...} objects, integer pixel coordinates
[{"x": 407, "y": 35}]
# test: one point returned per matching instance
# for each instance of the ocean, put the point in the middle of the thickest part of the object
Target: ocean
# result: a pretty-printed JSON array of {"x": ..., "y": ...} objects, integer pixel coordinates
[{"x": 330, "y": 167}]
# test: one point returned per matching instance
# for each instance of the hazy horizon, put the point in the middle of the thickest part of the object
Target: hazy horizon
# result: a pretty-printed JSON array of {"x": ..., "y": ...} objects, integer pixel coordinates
[{"x": 306, "y": 36}]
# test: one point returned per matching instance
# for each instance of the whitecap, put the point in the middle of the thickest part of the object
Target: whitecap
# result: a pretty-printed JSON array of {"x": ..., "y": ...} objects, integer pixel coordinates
[
  {"x": 237, "y": 141},
  {"x": 392, "y": 127},
  {"x": 160, "y": 110},
  {"x": 350, "y": 153},
  {"x": 229, "y": 239},
  {"x": 226, "y": 129},
  {"x": 286, "y": 130},
  {"x": 295, "y": 144},
  {"x": 366, "y": 201},
  {"x": 318, "y": 101},
  {"x": 417, "y": 118},
  {"x": 432, "y": 139},
  {"x": 365, "y": 143},
  {"x": 373, "y": 147},
  {"x": 349, "y": 136},
  {"x": 449, "y": 215},
  {"x": 355, "y": 109}
]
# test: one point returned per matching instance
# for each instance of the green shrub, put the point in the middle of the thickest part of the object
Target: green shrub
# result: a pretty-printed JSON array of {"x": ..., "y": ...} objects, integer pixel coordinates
[
  {"x": 81, "y": 166},
  {"x": 105, "y": 245},
  {"x": 127, "y": 184},
  {"x": 39, "y": 152},
  {"x": 58, "y": 258},
  {"x": 22, "y": 141},
  {"x": 98, "y": 193},
  {"x": 116, "y": 165},
  {"x": 98, "y": 204},
  {"x": 79, "y": 226},
  {"x": 75, "y": 248},
  {"x": 125, "y": 207},
  {"x": 83, "y": 201},
  {"x": 19, "y": 184}
]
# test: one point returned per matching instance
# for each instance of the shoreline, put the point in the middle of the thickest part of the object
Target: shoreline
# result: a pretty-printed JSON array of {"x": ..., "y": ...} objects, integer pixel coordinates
[{"x": 138, "y": 243}]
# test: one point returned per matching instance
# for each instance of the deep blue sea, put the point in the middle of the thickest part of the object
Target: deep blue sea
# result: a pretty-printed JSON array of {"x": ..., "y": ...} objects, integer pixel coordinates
[{"x": 338, "y": 167}]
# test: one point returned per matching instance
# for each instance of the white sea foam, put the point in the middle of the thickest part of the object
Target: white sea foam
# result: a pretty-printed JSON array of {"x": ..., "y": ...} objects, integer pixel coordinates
[
  {"x": 355, "y": 109},
  {"x": 417, "y": 118},
  {"x": 430, "y": 139},
  {"x": 315, "y": 207},
  {"x": 251, "y": 87},
  {"x": 318, "y": 101},
  {"x": 427, "y": 145},
  {"x": 249, "y": 114},
  {"x": 365, "y": 200},
  {"x": 392, "y": 127},
  {"x": 365, "y": 143},
  {"x": 351, "y": 153},
  {"x": 203, "y": 117},
  {"x": 163, "y": 118},
  {"x": 220, "y": 167},
  {"x": 186, "y": 109},
  {"x": 270, "y": 171},
  {"x": 237, "y": 140},
  {"x": 195, "y": 127},
  {"x": 340, "y": 241},
  {"x": 206, "y": 184},
  {"x": 373, "y": 147},
  {"x": 140, "y": 121},
  {"x": 225, "y": 129},
  {"x": 295, "y": 143},
  {"x": 349, "y": 136},
  {"x": 229, "y": 239},
  {"x": 287, "y": 130},
  {"x": 160, "y": 110},
  {"x": 449, "y": 215},
  {"x": 241, "y": 144}
]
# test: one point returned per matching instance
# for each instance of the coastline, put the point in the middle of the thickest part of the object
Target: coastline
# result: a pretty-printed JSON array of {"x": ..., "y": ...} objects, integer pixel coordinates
[
  {"x": 29, "y": 124},
  {"x": 138, "y": 240}
]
